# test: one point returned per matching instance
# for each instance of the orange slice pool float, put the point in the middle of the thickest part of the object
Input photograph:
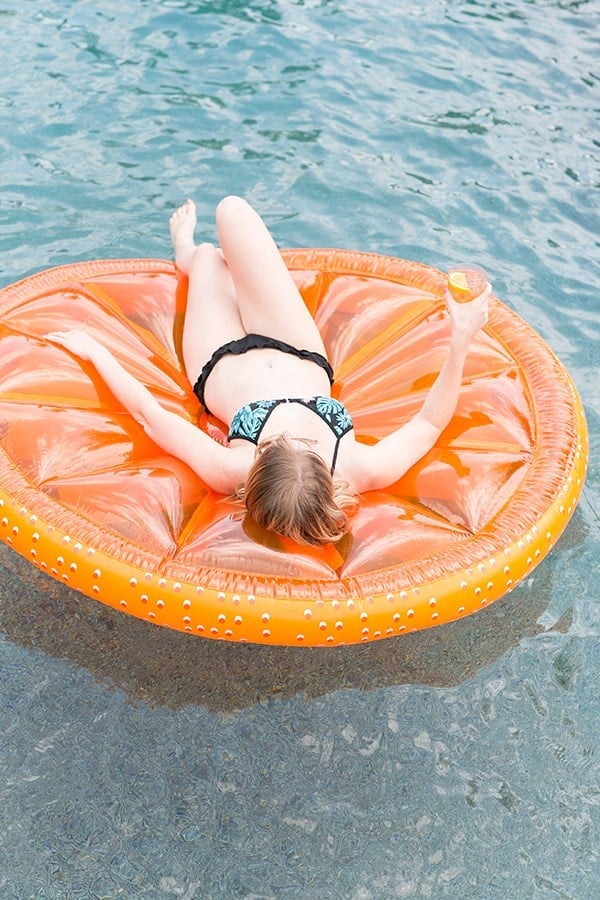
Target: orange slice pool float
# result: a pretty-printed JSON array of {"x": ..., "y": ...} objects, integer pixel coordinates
[{"x": 88, "y": 498}]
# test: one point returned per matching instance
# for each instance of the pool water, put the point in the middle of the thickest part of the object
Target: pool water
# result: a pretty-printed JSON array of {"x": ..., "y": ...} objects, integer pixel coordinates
[{"x": 460, "y": 762}]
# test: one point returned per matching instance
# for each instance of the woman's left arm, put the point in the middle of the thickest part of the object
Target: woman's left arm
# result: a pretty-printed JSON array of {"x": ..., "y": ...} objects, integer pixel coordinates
[{"x": 386, "y": 462}]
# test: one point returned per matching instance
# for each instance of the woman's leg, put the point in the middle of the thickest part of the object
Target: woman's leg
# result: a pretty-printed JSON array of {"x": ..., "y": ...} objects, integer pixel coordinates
[
  {"x": 212, "y": 316},
  {"x": 269, "y": 302}
]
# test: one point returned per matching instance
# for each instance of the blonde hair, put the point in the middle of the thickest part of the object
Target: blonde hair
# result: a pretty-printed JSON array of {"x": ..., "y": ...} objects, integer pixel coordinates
[{"x": 291, "y": 491}]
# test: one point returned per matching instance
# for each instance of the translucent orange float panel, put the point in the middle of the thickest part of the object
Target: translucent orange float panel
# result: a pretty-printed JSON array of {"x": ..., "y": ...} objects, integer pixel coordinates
[{"x": 85, "y": 495}]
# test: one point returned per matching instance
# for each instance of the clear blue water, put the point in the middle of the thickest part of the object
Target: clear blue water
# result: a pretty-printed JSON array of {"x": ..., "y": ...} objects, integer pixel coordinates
[{"x": 460, "y": 762}]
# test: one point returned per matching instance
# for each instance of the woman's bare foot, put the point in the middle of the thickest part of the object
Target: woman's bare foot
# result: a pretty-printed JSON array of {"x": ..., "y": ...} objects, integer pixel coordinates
[{"x": 181, "y": 225}]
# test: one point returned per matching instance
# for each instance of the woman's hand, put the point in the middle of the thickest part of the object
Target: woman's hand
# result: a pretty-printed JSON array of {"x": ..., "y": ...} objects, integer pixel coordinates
[
  {"x": 79, "y": 343},
  {"x": 468, "y": 318}
]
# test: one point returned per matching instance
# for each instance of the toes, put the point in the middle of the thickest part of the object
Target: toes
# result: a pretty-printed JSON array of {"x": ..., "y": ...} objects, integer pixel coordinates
[
  {"x": 183, "y": 222},
  {"x": 183, "y": 211}
]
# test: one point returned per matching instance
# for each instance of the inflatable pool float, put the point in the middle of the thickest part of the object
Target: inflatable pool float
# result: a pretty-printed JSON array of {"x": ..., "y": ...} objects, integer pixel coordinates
[{"x": 88, "y": 498}]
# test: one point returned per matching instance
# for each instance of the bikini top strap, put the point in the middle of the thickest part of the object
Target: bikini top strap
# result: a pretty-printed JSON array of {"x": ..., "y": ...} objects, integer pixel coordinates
[{"x": 335, "y": 453}]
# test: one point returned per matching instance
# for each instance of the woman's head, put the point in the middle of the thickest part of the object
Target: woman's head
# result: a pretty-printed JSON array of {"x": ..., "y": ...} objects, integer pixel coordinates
[{"x": 290, "y": 490}]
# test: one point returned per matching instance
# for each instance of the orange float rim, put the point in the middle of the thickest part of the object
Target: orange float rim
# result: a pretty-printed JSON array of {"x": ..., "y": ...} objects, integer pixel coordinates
[{"x": 399, "y": 599}]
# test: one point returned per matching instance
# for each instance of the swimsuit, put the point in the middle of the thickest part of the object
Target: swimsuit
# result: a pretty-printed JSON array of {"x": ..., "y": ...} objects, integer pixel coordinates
[
  {"x": 255, "y": 342},
  {"x": 249, "y": 421}
]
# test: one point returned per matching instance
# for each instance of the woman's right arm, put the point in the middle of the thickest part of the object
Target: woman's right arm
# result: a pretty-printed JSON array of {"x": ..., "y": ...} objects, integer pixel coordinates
[{"x": 221, "y": 468}]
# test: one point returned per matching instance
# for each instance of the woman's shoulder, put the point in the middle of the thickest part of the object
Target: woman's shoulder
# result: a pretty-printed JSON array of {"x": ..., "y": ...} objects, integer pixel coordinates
[{"x": 353, "y": 462}]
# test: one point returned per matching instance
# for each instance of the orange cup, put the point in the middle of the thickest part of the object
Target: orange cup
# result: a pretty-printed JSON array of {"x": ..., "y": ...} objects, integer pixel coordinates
[{"x": 466, "y": 281}]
